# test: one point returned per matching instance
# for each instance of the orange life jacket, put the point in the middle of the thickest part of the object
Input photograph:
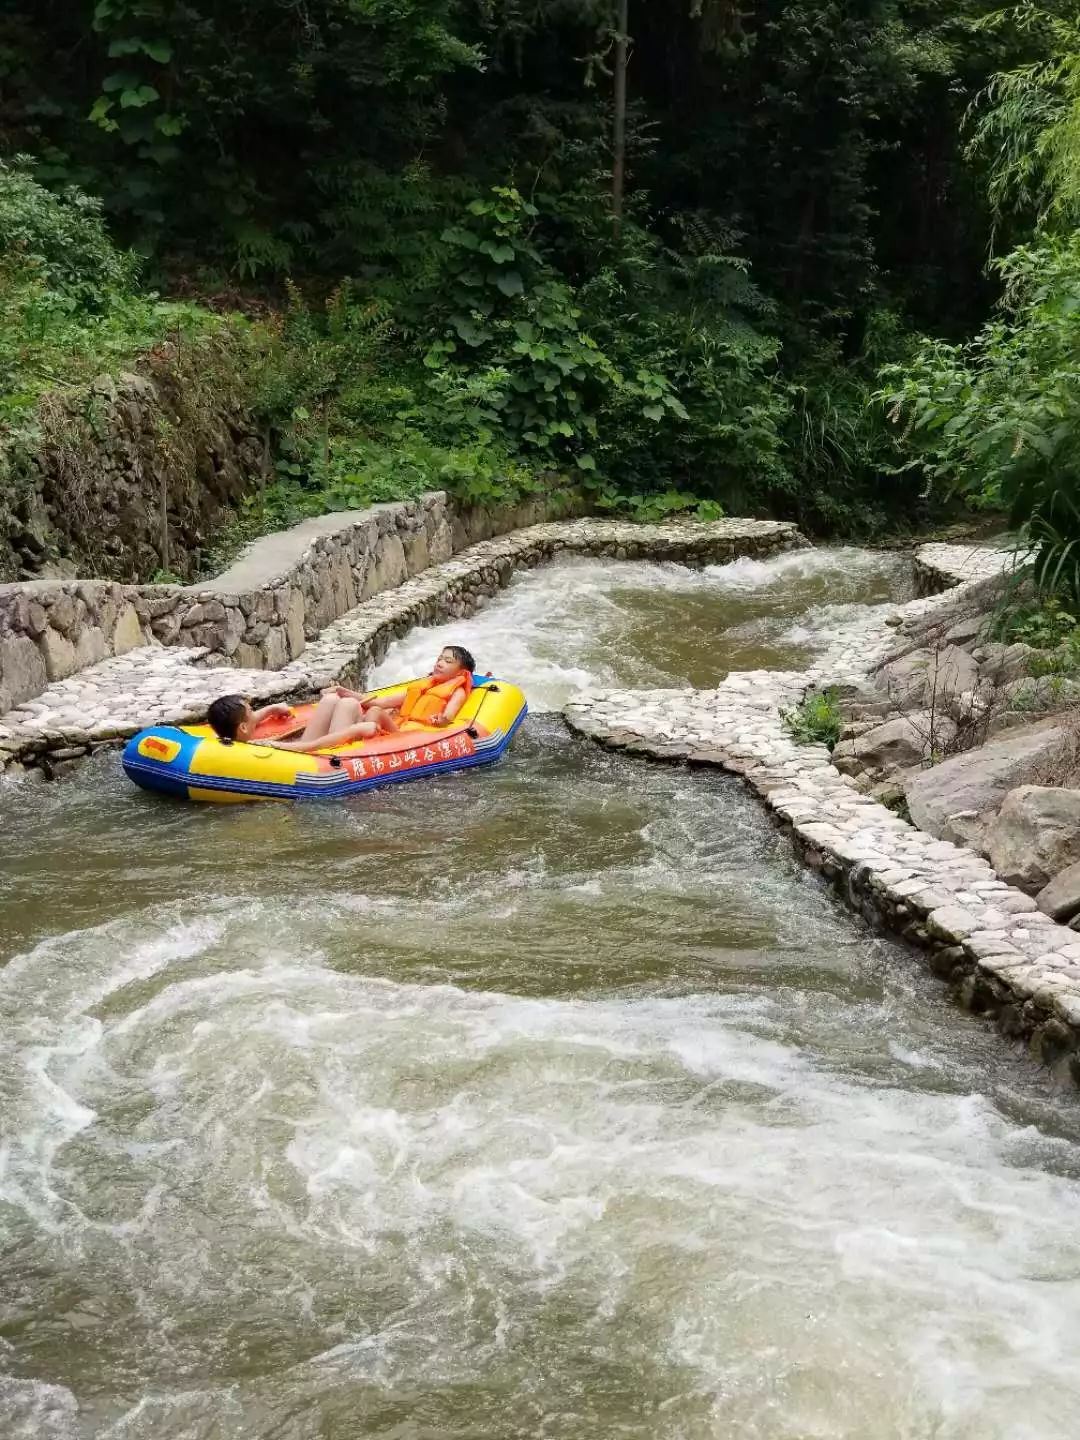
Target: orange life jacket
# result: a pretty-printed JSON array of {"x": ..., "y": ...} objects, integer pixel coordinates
[{"x": 425, "y": 699}]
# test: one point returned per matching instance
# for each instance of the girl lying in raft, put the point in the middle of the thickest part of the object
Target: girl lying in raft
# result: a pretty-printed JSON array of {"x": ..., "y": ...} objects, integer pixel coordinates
[
  {"x": 434, "y": 701},
  {"x": 344, "y": 715}
]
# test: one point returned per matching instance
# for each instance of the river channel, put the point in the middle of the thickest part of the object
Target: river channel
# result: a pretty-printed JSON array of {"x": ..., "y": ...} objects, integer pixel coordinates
[{"x": 552, "y": 1102}]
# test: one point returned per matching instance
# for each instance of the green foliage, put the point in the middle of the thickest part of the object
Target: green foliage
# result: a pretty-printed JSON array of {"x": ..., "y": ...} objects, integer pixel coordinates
[
  {"x": 1026, "y": 123},
  {"x": 218, "y": 125},
  {"x": 68, "y": 304},
  {"x": 514, "y": 357},
  {"x": 998, "y": 419},
  {"x": 816, "y": 720},
  {"x": 650, "y": 509},
  {"x": 1044, "y": 623},
  {"x": 59, "y": 241},
  {"x": 358, "y": 418},
  {"x": 795, "y": 184}
]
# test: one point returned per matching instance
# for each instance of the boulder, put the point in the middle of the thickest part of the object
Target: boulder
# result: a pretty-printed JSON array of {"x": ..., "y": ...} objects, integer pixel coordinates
[
  {"x": 1036, "y": 835},
  {"x": 417, "y": 557},
  {"x": 1004, "y": 663},
  {"x": 897, "y": 745},
  {"x": 294, "y": 624},
  {"x": 248, "y": 657},
  {"x": 968, "y": 629},
  {"x": 90, "y": 647},
  {"x": 951, "y": 673},
  {"x": 904, "y": 679},
  {"x": 276, "y": 648},
  {"x": 957, "y": 799},
  {"x": 934, "y": 678},
  {"x": 1060, "y": 899}
]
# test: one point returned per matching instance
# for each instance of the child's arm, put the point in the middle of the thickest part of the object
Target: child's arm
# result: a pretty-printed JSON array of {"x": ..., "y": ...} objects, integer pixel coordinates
[
  {"x": 362, "y": 730},
  {"x": 389, "y": 702},
  {"x": 454, "y": 704},
  {"x": 272, "y": 712}
]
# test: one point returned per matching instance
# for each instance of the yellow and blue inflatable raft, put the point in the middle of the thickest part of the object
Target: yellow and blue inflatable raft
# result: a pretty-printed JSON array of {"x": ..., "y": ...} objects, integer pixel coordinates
[{"x": 191, "y": 762}]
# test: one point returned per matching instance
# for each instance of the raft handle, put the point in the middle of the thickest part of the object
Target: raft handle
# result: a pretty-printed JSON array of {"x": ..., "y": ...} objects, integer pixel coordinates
[{"x": 335, "y": 762}]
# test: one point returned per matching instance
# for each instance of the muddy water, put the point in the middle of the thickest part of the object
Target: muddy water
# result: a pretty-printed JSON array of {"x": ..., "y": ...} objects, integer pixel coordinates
[
  {"x": 555, "y": 1101},
  {"x": 584, "y": 622}
]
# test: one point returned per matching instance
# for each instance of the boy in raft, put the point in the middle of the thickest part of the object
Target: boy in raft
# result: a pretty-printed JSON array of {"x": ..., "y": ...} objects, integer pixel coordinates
[
  {"x": 434, "y": 701},
  {"x": 336, "y": 721}
]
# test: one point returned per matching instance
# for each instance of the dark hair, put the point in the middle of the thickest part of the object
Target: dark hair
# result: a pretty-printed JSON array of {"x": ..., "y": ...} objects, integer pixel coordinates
[
  {"x": 226, "y": 715},
  {"x": 462, "y": 656}
]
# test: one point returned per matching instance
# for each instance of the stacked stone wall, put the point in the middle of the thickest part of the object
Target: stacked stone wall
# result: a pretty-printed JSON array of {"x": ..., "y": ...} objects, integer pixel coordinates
[
  {"x": 156, "y": 684},
  {"x": 263, "y": 611},
  {"x": 131, "y": 474}
]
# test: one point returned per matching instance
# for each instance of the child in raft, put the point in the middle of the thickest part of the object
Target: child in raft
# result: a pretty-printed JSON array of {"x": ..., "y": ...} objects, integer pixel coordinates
[
  {"x": 336, "y": 721},
  {"x": 344, "y": 715},
  {"x": 433, "y": 701}
]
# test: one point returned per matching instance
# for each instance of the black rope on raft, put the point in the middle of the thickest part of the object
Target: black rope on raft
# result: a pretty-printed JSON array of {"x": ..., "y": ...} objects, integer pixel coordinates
[{"x": 472, "y": 732}]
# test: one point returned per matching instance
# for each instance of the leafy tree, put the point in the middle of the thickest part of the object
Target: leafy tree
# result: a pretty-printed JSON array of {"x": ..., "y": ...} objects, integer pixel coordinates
[
  {"x": 996, "y": 418},
  {"x": 796, "y": 197}
]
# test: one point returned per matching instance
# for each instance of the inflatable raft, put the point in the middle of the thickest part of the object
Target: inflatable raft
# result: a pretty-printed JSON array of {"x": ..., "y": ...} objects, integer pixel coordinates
[{"x": 190, "y": 761}]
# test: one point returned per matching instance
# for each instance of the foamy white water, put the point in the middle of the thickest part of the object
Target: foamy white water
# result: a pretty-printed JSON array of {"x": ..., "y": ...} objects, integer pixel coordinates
[
  {"x": 551, "y": 1101},
  {"x": 578, "y": 623}
]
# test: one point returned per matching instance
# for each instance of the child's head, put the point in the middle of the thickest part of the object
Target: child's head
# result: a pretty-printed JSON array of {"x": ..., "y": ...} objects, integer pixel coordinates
[
  {"x": 452, "y": 660},
  {"x": 231, "y": 717}
]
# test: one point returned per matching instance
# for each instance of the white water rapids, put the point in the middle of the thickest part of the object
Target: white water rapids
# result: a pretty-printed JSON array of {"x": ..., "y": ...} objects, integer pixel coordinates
[{"x": 552, "y": 1101}]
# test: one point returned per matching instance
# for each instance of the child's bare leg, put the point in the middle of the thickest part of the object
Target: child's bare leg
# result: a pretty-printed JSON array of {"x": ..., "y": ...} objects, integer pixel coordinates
[
  {"x": 361, "y": 730},
  {"x": 384, "y": 719},
  {"x": 319, "y": 724},
  {"x": 331, "y": 714}
]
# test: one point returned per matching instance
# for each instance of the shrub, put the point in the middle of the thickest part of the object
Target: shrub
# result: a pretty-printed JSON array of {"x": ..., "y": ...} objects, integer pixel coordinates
[{"x": 816, "y": 720}]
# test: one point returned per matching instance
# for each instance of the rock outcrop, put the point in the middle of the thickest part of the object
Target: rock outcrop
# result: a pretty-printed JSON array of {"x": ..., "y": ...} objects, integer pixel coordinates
[
  {"x": 1035, "y": 835},
  {"x": 1060, "y": 899},
  {"x": 958, "y": 799}
]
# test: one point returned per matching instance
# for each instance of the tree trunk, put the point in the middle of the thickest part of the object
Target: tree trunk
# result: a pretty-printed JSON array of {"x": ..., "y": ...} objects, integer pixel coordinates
[{"x": 618, "y": 168}]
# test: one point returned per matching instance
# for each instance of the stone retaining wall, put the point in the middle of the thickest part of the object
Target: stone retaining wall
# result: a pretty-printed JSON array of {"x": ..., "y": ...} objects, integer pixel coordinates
[
  {"x": 286, "y": 588},
  {"x": 51, "y": 629},
  {"x": 155, "y": 684},
  {"x": 940, "y": 567},
  {"x": 133, "y": 473},
  {"x": 258, "y": 614}
]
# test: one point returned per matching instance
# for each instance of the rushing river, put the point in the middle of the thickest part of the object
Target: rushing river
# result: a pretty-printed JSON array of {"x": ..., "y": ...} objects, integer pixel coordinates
[{"x": 555, "y": 1102}]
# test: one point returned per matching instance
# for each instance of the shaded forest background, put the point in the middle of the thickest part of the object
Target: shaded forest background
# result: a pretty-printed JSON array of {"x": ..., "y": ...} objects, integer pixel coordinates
[{"x": 393, "y": 219}]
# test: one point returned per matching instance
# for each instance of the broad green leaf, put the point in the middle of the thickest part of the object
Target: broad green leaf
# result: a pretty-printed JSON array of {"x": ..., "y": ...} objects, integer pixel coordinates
[
  {"x": 100, "y": 112},
  {"x": 119, "y": 80},
  {"x": 136, "y": 99},
  {"x": 501, "y": 254},
  {"x": 510, "y": 283}
]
